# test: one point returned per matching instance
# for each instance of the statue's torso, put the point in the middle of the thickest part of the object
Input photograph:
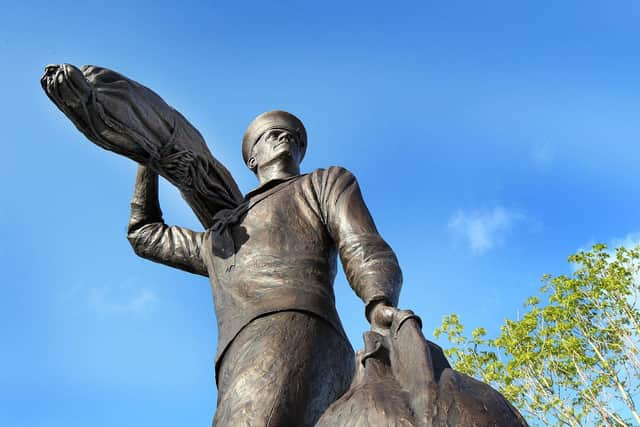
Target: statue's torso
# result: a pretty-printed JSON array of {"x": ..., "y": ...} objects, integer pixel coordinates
[{"x": 283, "y": 259}]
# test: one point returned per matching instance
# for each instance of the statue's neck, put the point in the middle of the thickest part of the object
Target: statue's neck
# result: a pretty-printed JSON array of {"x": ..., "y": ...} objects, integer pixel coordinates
[{"x": 277, "y": 171}]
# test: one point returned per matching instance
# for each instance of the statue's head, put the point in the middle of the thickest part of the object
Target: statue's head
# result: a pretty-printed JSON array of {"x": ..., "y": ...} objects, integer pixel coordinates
[{"x": 274, "y": 136}]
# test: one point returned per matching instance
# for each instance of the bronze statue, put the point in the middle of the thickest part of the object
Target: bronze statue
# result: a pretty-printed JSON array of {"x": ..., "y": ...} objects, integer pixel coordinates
[{"x": 283, "y": 357}]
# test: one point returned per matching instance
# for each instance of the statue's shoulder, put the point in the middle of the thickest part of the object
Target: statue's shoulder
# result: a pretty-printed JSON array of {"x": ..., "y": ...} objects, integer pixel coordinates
[
  {"x": 330, "y": 173},
  {"x": 332, "y": 180}
]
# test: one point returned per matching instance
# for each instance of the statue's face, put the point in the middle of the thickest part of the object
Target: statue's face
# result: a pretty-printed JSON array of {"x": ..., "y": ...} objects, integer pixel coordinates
[{"x": 276, "y": 145}]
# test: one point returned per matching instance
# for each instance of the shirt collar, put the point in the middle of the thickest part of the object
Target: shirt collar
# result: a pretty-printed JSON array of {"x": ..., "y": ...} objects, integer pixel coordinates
[{"x": 268, "y": 185}]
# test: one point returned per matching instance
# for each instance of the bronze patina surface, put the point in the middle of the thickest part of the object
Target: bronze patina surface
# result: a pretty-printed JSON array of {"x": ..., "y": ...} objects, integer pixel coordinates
[{"x": 271, "y": 257}]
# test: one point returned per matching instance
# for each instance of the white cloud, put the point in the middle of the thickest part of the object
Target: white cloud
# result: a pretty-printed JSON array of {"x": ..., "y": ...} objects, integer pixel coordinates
[
  {"x": 542, "y": 155},
  {"x": 629, "y": 241},
  {"x": 483, "y": 229},
  {"x": 124, "y": 298},
  {"x": 113, "y": 300}
]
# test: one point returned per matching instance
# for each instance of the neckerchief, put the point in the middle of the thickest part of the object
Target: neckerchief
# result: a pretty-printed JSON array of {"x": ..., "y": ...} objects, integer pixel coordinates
[{"x": 222, "y": 239}]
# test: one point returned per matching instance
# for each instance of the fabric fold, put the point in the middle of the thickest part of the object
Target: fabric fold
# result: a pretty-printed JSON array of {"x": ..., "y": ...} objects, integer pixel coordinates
[{"x": 127, "y": 118}]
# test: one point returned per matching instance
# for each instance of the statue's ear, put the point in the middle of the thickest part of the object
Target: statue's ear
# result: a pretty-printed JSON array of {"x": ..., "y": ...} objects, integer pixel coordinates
[{"x": 252, "y": 163}]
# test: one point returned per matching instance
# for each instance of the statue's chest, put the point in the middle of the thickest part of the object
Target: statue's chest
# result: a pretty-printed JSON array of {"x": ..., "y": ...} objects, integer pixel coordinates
[
  {"x": 285, "y": 224},
  {"x": 282, "y": 220},
  {"x": 282, "y": 232}
]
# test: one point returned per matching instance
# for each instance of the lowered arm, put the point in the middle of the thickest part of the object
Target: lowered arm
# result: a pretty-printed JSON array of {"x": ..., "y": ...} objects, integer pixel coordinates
[{"x": 369, "y": 263}]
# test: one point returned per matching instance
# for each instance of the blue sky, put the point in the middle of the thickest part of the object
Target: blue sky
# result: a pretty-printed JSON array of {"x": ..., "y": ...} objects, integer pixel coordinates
[{"x": 491, "y": 140}]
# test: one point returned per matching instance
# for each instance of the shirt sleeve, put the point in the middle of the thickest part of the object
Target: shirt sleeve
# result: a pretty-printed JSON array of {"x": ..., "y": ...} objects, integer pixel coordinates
[
  {"x": 369, "y": 263},
  {"x": 152, "y": 239}
]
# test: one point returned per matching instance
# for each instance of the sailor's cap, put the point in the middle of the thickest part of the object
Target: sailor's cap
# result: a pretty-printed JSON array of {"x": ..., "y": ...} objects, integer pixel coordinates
[{"x": 276, "y": 119}]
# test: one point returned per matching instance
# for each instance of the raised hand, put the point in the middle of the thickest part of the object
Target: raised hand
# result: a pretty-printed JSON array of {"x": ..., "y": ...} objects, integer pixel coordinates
[
  {"x": 127, "y": 118},
  {"x": 66, "y": 85}
]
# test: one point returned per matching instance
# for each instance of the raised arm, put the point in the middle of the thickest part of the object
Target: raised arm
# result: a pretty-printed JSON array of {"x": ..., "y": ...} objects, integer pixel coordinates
[
  {"x": 152, "y": 239},
  {"x": 369, "y": 263},
  {"x": 123, "y": 116}
]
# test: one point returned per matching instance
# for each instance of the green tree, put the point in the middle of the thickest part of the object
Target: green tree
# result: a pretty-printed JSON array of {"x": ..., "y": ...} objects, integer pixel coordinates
[{"x": 574, "y": 359}]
